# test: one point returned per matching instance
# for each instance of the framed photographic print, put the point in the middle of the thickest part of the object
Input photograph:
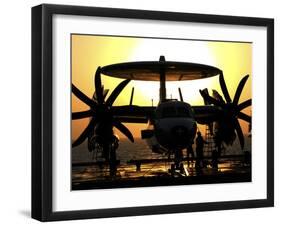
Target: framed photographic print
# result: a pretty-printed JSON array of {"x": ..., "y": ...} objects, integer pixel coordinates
[{"x": 145, "y": 112}]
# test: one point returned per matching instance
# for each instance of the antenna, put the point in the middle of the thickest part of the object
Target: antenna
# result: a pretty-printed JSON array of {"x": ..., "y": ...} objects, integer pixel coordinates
[
  {"x": 162, "y": 78},
  {"x": 180, "y": 94},
  {"x": 132, "y": 96}
]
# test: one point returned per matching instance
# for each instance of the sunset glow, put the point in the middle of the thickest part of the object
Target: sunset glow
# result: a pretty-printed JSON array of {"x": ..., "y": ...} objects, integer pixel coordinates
[{"x": 89, "y": 52}]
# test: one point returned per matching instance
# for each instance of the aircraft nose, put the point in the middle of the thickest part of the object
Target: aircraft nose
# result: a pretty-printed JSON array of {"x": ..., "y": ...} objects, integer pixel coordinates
[{"x": 179, "y": 132}]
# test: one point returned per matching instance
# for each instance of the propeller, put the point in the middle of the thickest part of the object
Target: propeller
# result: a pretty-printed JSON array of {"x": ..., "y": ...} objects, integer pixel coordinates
[
  {"x": 100, "y": 113},
  {"x": 228, "y": 125}
]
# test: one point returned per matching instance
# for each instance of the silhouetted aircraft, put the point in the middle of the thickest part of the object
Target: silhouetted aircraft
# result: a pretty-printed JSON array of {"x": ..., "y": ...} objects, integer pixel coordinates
[{"x": 172, "y": 124}]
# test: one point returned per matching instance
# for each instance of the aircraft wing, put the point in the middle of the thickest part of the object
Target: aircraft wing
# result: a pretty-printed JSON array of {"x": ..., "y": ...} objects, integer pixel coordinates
[
  {"x": 133, "y": 113},
  {"x": 141, "y": 114},
  {"x": 206, "y": 114}
]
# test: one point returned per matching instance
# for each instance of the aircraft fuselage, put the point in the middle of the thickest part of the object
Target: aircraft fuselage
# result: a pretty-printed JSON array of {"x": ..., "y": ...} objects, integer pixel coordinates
[{"x": 173, "y": 127}]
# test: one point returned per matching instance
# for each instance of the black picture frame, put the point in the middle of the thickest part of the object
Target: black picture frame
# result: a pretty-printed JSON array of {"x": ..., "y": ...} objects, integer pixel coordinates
[{"x": 42, "y": 111}]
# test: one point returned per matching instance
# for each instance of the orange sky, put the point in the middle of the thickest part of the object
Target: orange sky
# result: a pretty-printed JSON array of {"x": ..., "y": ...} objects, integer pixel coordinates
[{"x": 89, "y": 52}]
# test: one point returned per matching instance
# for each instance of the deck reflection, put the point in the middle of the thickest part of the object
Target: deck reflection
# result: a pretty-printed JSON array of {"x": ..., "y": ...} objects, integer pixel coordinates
[{"x": 96, "y": 175}]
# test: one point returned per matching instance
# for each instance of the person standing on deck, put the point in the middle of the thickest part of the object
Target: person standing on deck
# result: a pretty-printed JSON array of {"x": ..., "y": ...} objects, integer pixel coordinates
[
  {"x": 199, "y": 151},
  {"x": 189, "y": 153}
]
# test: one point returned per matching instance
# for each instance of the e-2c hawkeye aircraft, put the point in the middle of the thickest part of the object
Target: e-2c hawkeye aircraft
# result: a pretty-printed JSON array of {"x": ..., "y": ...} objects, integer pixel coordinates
[{"x": 172, "y": 124}]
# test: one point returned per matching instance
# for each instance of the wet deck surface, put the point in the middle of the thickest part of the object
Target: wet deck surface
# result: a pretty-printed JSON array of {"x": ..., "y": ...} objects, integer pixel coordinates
[{"x": 93, "y": 175}]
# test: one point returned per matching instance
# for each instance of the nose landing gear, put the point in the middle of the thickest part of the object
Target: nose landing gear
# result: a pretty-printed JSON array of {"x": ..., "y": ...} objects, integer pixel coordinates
[{"x": 178, "y": 167}]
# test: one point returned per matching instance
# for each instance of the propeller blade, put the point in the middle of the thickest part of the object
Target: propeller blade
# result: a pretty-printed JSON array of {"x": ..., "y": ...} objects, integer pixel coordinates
[
  {"x": 204, "y": 92},
  {"x": 116, "y": 92},
  {"x": 83, "y": 97},
  {"x": 217, "y": 96},
  {"x": 239, "y": 133},
  {"x": 224, "y": 88},
  {"x": 84, "y": 134},
  {"x": 123, "y": 129},
  {"x": 98, "y": 86},
  {"x": 245, "y": 117},
  {"x": 239, "y": 89},
  {"x": 244, "y": 104},
  {"x": 208, "y": 99},
  {"x": 81, "y": 114},
  {"x": 94, "y": 97},
  {"x": 105, "y": 92}
]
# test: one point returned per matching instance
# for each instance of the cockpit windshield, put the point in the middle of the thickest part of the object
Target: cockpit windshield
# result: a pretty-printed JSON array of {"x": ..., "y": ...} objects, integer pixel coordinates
[
  {"x": 174, "y": 111},
  {"x": 169, "y": 112}
]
